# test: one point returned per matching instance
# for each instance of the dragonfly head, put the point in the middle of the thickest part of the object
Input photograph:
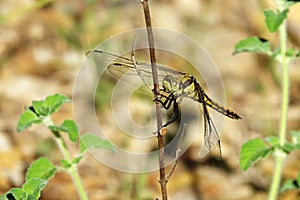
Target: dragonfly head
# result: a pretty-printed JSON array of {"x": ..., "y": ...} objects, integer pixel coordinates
[{"x": 170, "y": 84}]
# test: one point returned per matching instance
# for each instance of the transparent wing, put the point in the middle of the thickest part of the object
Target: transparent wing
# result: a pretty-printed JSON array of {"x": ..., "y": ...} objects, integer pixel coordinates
[
  {"x": 120, "y": 66},
  {"x": 211, "y": 136}
]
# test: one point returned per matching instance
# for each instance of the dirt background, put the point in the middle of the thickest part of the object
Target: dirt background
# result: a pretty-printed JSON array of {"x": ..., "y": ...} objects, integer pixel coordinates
[{"x": 43, "y": 44}]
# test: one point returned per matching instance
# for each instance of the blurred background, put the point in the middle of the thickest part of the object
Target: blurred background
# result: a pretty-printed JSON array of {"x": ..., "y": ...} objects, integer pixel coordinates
[{"x": 42, "y": 46}]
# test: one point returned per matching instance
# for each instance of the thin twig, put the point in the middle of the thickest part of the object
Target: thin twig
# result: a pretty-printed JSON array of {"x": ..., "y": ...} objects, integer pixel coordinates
[
  {"x": 178, "y": 150},
  {"x": 160, "y": 141},
  {"x": 174, "y": 165}
]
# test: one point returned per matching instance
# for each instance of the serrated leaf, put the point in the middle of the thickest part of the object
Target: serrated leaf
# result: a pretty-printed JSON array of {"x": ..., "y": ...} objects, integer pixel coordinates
[
  {"x": 252, "y": 151},
  {"x": 41, "y": 168},
  {"x": 70, "y": 127},
  {"x": 253, "y": 44},
  {"x": 39, "y": 108},
  {"x": 274, "y": 20},
  {"x": 33, "y": 187},
  {"x": 54, "y": 102},
  {"x": 27, "y": 119},
  {"x": 90, "y": 141}
]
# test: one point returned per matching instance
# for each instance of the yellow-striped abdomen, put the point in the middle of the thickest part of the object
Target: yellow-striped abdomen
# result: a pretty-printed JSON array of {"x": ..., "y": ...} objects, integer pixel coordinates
[{"x": 187, "y": 86}]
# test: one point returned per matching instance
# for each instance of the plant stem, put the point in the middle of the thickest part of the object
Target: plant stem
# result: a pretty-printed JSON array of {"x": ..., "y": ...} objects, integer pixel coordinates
[
  {"x": 160, "y": 141},
  {"x": 279, "y": 156},
  {"x": 76, "y": 178},
  {"x": 285, "y": 85},
  {"x": 73, "y": 169}
]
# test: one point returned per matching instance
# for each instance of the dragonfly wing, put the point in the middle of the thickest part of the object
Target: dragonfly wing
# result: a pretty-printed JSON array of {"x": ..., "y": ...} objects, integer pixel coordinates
[
  {"x": 212, "y": 139},
  {"x": 98, "y": 55},
  {"x": 122, "y": 67},
  {"x": 122, "y": 70},
  {"x": 211, "y": 136}
]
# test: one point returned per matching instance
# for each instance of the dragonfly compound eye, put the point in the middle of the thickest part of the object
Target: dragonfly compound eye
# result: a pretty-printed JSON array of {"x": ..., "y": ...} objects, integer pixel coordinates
[
  {"x": 167, "y": 83},
  {"x": 175, "y": 85},
  {"x": 170, "y": 84}
]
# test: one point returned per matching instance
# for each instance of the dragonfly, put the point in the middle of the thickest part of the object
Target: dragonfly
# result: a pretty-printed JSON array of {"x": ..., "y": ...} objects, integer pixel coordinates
[{"x": 175, "y": 86}]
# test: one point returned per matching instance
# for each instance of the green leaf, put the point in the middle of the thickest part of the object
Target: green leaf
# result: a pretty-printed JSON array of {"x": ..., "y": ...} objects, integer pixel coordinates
[
  {"x": 272, "y": 140},
  {"x": 54, "y": 102},
  {"x": 90, "y": 141},
  {"x": 252, "y": 151},
  {"x": 253, "y": 44},
  {"x": 33, "y": 114},
  {"x": 289, "y": 3},
  {"x": 65, "y": 163},
  {"x": 70, "y": 127},
  {"x": 274, "y": 20},
  {"x": 27, "y": 119},
  {"x": 76, "y": 160},
  {"x": 291, "y": 184},
  {"x": 54, "y": 128},
  {"x": 295, "y": 136},
  {"x": 288, "y": 185},
  {"x": 14, "y": 193},
  {"x": 290, "y": 52},
  {"x": 33, "y": 187},
  {"x": 39, "y": 108},
  {"x": 288, "y": 148},
  {"x": 41, "y": 168},
  {"x": 290, "y": 55}
]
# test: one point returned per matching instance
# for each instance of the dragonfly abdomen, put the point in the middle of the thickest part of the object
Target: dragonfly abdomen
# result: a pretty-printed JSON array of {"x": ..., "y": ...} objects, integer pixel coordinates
[
  {"x": 221, "y": 109},
  {"x": 192, "y": 89}
]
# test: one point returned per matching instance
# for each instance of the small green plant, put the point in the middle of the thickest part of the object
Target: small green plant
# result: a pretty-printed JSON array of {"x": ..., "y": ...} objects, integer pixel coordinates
[
  {"x": 257, "y": 149},
  {"x": 42, "y": 170}
]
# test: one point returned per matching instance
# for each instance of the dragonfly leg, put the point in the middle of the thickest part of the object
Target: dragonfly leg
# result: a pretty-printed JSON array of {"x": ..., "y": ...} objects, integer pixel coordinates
[
  {"x": 174, "y": 115},
  {"x": 173, "y": 118},
  {"x": 167, "y": 102}
]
